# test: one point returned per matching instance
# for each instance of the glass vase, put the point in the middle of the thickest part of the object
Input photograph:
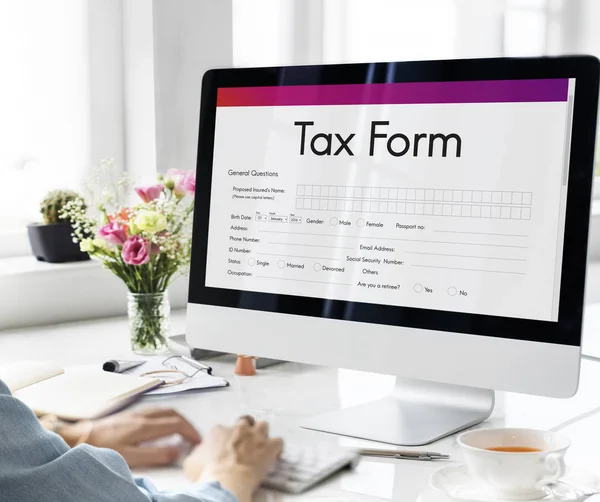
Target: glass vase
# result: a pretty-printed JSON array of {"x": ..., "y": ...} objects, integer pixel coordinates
[{"x": 149, "y": 322}]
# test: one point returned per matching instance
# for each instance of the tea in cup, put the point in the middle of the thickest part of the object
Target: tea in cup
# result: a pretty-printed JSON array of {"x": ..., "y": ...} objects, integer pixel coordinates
[{"x": 515, "y": 464}]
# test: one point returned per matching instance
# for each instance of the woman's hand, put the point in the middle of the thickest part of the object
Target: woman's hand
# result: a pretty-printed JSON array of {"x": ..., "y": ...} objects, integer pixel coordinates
[
  {"x": 238, "y": 457},
  {"x": 126, "y": 431}
]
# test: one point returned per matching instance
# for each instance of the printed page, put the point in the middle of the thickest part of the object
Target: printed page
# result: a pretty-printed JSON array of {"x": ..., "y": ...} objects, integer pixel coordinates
[{"x": 446, "y": 195}]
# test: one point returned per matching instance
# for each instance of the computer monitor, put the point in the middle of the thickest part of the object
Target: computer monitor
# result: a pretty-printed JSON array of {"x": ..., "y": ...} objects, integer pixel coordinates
[{"x": 425, "y": 219}]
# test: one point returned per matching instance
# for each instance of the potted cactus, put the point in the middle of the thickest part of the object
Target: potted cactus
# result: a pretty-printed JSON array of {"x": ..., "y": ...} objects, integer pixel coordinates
[{"x": 51, "y": 241}]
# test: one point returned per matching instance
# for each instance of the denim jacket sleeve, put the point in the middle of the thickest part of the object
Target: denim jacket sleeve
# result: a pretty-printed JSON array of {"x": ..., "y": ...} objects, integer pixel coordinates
[{"x": 38, "y": 466}]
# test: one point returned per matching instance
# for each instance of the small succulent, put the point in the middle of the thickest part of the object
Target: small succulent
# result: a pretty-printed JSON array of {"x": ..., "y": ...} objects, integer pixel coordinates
[{"x": 54, "y": 202}]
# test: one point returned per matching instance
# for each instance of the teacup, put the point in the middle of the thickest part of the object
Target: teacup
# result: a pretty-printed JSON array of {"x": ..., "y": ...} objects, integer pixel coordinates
[{"x": 528, "y": 461}]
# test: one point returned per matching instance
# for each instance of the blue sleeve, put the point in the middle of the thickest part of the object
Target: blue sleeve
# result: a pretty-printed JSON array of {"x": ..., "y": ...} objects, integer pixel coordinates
[
  {"x": 206, "y": 492},
  {"x": 38, "y": 465}
]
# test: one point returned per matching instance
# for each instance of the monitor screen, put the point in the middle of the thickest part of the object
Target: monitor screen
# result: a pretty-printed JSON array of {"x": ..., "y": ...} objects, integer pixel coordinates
[{"x": 446, "y": 196}]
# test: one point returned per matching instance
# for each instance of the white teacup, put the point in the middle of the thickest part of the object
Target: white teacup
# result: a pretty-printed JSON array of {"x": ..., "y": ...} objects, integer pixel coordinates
[{"x": 512, "y": 475}]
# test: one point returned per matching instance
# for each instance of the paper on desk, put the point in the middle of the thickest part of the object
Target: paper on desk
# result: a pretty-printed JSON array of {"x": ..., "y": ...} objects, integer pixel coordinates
[{"x": 199, "y": 381}]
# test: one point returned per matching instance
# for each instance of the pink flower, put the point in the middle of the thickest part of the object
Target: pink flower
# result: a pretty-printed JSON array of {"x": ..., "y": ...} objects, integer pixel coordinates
[
  {"x": 150, "y": 193},
  {"x": 136, "y": 251},
  {"x": 189, "y": 182},
  {"x": 113, "y": 232},
  {"x": 177, "y": 176},
  {"x": 174, "y": 174}
]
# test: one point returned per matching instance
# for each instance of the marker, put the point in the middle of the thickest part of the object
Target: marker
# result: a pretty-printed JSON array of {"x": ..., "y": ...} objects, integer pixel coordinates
[{"x": 117, "y": 366}]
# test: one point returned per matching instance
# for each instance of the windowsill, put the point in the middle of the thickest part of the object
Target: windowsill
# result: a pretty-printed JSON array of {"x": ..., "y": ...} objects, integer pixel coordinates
[
  {"x": 18, "y": 265},
  {"x": 34, "y": 293},
  {"x": 14, "y": 243}
]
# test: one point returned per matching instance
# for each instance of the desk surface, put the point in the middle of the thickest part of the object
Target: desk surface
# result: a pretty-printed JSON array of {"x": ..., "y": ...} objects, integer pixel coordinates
[{"x": 287, "y": 393}]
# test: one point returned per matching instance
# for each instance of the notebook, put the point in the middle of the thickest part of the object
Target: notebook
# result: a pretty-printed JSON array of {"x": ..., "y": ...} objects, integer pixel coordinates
[
  {"x": 199, "y": 381},
  {"x": 72, "y": 393}
]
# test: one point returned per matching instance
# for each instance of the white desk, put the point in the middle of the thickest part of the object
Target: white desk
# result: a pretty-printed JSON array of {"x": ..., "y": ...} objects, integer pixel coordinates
[{"x": 286, "y": 393}]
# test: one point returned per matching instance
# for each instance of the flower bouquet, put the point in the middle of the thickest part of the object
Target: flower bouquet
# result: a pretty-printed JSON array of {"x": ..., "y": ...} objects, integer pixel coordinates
[{"x": 147, "y": 245}]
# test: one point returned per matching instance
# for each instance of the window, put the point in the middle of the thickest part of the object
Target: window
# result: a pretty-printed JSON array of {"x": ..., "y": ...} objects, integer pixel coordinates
[
  {"x": 44, "y": 120},
  {"x": 61, "y": 98}
]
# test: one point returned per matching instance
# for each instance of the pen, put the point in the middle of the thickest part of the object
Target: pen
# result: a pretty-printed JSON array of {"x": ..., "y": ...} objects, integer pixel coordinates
[
  {"x": 197, "y": 364},
  {"x": 118, "y": 366},
  {"x": 404, "y": 454}
]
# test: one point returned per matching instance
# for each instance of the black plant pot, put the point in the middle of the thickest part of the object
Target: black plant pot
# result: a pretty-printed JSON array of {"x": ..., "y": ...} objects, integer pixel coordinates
[{"x": 54, "y": 243}]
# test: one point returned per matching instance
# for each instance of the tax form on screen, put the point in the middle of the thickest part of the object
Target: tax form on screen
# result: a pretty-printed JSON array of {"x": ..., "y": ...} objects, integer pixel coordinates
[{"x": 437, "y": 195}]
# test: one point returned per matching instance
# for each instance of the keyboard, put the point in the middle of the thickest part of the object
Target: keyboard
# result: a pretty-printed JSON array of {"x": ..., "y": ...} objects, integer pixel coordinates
[{"x": 301, "y": 467}]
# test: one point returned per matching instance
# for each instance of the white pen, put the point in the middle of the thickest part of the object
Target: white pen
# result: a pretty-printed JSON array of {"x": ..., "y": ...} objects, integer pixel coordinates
[
  {"x": 197, "y": 364},
  {"x": 404, "y": 454}
]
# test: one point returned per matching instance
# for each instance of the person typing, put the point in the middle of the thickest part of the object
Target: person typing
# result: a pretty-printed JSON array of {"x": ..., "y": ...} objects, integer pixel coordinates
[
  {"x": 126, "y": 432},
  {"x": 38, "y": 465}
]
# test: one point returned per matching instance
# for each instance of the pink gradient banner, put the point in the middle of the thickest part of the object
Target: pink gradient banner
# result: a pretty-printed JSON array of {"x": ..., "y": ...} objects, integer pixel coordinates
[{"x": 480, "y": 91}]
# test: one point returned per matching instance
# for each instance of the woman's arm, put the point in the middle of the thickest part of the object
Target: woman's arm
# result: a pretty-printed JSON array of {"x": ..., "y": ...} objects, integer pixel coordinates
[
  {"x": 37, "y": 465},
  {"x": 126, "y": 433},
  {"x": 72, "y": 433}
]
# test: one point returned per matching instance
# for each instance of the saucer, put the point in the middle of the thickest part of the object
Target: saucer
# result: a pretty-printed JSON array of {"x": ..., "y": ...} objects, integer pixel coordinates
[{"x": 456, "y": 483}]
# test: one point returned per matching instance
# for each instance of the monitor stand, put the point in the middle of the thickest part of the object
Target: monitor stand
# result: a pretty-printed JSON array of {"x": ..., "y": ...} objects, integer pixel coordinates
[{"x": 416, "y": 413}]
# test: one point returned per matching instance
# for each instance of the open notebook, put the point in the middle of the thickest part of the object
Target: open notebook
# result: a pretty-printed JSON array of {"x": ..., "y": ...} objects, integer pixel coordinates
[{"x": 72, "y": 394}]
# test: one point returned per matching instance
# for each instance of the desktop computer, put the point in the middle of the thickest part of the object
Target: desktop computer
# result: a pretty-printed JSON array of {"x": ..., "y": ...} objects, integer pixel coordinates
[{"x": 425, "y": 219}]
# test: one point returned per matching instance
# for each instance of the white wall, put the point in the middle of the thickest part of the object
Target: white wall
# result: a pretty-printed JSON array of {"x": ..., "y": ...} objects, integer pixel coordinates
[
  {"x": 585, "y": 25},
  {"x": 190, "y": 37},
  {"x": 105, "y": 43},
  {"x": 138, "y": 89},
  {"x": 480, "y": 28},
  {"x": 168, "y": 45}
]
